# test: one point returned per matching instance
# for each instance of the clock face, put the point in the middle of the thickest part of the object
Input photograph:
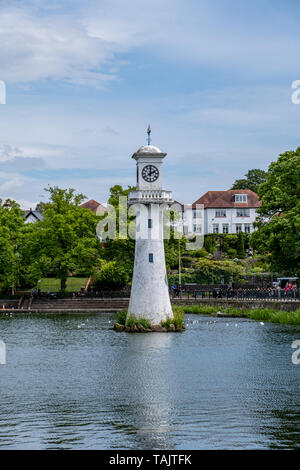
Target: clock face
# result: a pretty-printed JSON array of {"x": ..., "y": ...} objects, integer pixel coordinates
[{"x": 150, "y": 173}]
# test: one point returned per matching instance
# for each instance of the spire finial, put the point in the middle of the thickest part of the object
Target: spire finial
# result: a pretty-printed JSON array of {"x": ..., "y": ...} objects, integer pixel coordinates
[{"x": 149, "y": 133}]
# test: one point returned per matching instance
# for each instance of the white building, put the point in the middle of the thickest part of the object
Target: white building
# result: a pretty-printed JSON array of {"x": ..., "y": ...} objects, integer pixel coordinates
[{"x": 231, "y": 211}]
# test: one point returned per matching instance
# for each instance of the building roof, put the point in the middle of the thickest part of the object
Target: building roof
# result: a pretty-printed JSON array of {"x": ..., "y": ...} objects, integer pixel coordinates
[
  {"x": 177, "y": 204},
  {"x": 94, "y": 206},
  {"x": 220, "y": 199},
  {"x": 36, "y": 214},
  {"x": 148, "y": 151}
]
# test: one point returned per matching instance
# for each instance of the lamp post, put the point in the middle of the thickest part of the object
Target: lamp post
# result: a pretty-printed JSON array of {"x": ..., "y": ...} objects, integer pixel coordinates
[{"x": 179, "y": 263}]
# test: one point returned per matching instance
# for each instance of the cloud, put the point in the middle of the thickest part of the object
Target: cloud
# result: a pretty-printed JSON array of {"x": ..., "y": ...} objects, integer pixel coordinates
[
  {"x": 14, "y": 158},
  {"x": 50, "y": 46},
  {"x": 26, "y": 205},
  {"x": 11, "y": 182},
  {"x": 163, "y": 62},
  {"x": 8, "y": 152},
  {"x": 85, "y": 42}
]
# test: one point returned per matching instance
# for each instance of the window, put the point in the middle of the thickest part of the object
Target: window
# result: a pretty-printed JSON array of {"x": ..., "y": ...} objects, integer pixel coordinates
[
  {"x": 197, "y": 214},
  {"x": 238, "y": 228},
  {"x": 197, "y": 228},
  {"x": 242, "y": 212},
  {"x": 247, "y": 228},
  {"x": 150, "y": 257},
  {"x": 225, "y": 228},
  {"x": 215, "y": 228},
  {"x": 220, "y": 213},
  {"x": 240, "y": 198},
  {"x": 149, "y": 223}
]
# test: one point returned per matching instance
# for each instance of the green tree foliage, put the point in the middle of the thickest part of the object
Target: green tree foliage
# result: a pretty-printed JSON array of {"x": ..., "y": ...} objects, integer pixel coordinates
[
  {"x": 208, "y": 271},
  {"x": 254, "y": 178},
  {"x": 117, "y": 191},
  {"x": 240, "y": 245},
  {"x": 40, "y": 206},
  {"x": 11, "y": 239},
  {"x": 65, "y": 240},
  {"x": 279, "y": 215},
  {"x": 172, "y": 246},
  {"x": 112, "y": 275},
  {"x": 118, "y": 252},
  {"x": 208, "y": 243}
]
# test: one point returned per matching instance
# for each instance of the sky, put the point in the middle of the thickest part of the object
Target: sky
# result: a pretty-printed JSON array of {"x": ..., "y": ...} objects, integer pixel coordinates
[{"x": 84, "y": 78}]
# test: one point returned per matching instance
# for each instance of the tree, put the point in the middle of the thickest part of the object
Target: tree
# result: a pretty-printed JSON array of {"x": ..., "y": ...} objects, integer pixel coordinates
[
  {"x": 208, "y": 244},
  {"x": 254, "y": 178},
  {"x": 279, "y": 215},
  {"x": 118, "y": 252},
  {"x": 40, "y": 206},
  {"x": 112, "y": 275},
  {"x": 11, "y": 227},
  {"x": 240, "y": 245},
  {"x": 65, "y": 241}
]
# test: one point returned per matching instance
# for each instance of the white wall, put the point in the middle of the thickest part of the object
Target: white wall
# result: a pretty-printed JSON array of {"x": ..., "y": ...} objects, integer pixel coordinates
[
  {"x": 30, "y": 219},
  {"x": 231, "y": 219}
]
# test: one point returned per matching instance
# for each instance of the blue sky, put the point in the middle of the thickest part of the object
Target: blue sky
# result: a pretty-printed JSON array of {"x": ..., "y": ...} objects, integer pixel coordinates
[{"x": 84, "y": 79}]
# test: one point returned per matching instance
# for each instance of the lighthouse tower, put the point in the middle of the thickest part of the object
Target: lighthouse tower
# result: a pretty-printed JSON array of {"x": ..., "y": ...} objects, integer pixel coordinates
[{"x": 149, "y": 292}]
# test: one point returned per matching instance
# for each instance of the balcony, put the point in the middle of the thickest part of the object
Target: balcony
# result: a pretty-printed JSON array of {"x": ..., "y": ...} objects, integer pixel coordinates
[{"x": 148, "y": 196}]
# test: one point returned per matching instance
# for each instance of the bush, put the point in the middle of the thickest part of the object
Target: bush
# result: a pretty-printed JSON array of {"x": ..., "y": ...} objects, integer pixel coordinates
[
  {"x": 113, "y": 275},
  {"x": 232, "y": 253},
  {"x": 208, "y": 244},
  {"x": 186, "y": 261},
  {"x": 240, "y": 245},
  {"x": 132, "y": 321},
  {"x": 199, "y": 253},
  {"x": 121, "y": 317},
  {"x": 177, "y": 320}
]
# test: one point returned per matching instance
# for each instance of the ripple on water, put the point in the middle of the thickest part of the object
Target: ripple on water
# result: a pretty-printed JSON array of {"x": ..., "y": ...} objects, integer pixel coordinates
[{"x": 217, "y": 385}]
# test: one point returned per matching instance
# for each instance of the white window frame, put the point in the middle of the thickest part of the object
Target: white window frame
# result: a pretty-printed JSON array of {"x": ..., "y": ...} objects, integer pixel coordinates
[
  {"x": 225, "y": 226},
  {"x": 244, "y": 212},
  {"x": 216, "y": 228},
  {"x": 197, "y": 214},
  {"x": 220, "y": 213},
  {"x": 240, "y": 198}
]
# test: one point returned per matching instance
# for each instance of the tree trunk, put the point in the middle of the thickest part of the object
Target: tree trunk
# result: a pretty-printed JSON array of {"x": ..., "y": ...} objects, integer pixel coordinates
[{"x": 63, "y": 283}]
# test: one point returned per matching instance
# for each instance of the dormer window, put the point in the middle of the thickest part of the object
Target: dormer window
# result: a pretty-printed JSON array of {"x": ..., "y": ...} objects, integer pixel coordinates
[{"x": 240, "y": 198}]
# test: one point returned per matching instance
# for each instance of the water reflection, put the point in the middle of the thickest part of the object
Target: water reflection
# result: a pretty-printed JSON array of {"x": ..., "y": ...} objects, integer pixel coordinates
[{"x": 146, "y": 383}]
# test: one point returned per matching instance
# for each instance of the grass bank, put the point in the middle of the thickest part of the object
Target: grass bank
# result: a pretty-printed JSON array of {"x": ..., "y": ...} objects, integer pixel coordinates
[
  {"x": 258, "y": 314},
  {"x": 73, "y": 284}
]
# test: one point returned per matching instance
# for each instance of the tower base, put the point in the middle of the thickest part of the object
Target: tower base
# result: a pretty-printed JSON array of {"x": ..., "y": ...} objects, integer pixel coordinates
[{"x": 149, "y": 298}]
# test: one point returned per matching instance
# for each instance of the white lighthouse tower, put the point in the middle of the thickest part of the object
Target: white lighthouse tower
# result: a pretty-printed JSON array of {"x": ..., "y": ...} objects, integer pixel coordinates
[{"x": 149, "y": 292}]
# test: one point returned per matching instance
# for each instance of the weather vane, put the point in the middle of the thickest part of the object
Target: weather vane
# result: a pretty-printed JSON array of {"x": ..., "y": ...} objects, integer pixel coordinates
[{"x": 149, "y": 133}]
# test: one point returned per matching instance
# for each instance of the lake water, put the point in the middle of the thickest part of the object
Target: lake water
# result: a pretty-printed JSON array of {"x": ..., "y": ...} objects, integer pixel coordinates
[{"x": 224, "y": 385}]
